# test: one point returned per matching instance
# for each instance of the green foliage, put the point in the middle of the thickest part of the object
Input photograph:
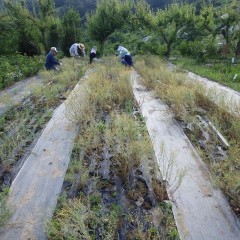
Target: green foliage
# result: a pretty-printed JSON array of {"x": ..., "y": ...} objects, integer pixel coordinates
[
  {"x": 199, "y": 49},
  {"x": 16, "y": 67},
  {"x": 153, "y": 46},
  {"x": 71, "y": 29},
  {"x": 223, "y": 21},
  {"x": 4, "y": 210},
  {"x": 218, "y": 70},
  {"x": 109, "y": 16},
  {"x": 46, "y": 23},
  {"x": 228, "y": 19},
  {"x": 138, "y": 42},
  {"x": 8, "y": 36},
  {"x": 169, "y": 23},
  {"x": 24, "y": 29},
  {"x": 32, "y": 31}
]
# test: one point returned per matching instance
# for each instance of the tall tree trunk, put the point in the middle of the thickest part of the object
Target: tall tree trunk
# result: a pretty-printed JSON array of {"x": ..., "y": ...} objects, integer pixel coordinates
[
  {"x": 238, "y": 49},
  {"x": 169, "y": 49},
  {"x": 101, "y": 48}
]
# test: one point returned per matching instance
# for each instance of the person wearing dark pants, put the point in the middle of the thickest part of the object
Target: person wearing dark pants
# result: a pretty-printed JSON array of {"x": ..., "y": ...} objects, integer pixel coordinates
[
  {"x": 127, "y": 61},
  {"x": 93, "y": 54},
  {"x": 51, "y": 62},
  {"x": 125, "y": 57}
]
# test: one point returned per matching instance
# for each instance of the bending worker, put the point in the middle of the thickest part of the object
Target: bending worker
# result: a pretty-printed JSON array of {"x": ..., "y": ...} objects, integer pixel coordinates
[
  {"x": 125, "y": 56},
  {"x": 51, "y": 62},
  {"x": 77, "y": 50}
]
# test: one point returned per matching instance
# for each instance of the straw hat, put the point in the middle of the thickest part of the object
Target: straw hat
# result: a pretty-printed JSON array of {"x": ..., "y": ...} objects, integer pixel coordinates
[{"x": 81, "y": 46}]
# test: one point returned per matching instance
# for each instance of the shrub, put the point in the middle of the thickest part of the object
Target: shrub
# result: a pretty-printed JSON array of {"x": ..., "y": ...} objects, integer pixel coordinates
[
  {"x": 5, "y": 212},
  {"x": 16, "y": 67}
]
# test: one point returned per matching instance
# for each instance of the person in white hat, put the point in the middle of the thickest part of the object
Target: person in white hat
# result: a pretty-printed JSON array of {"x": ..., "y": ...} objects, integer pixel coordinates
[
  {"x": 77, "y": 50},
  {"x": 51, "y": 62}
]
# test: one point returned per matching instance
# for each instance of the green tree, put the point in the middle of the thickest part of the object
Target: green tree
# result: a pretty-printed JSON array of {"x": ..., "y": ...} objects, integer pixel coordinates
[
  {"x": 108, "y": 16},
  {"x": 8, "y": 36},
  {"x": 34, "y": 30},
  {"x": 223, "y": 20},
  {"x": 228, "y": 21},
  {"x": 24, "y": 30},
  {"x": 142, "y": 16},
  {"x": 169, "y": 22},
  {"x": 47, "y": 23},
  {"x": 72, "y": 32}
]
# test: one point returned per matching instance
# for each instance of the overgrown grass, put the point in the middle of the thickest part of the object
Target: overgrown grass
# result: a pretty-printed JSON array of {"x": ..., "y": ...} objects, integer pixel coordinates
[
  {"x": 187, "y": 100},
  {"x": 105, "y": 89},
  {"x": 219, "y": 71},
  {"x": 19, "y": 128},
  {"x": 23, "y": 123},
  {"x": 111, "y": 147},
  {"x": 20, "y": 124},
  {"x": 5, "y": 212}
]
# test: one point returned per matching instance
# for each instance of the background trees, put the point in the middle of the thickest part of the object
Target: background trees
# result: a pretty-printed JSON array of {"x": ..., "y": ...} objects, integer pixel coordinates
[
  {"x": 23, "y": 28},
  {"x": 170, "y": 22},
  {"x": 180, "y": 27},
  {"x": 108, "y": 16},
  {"x": 71, "y": 26}
]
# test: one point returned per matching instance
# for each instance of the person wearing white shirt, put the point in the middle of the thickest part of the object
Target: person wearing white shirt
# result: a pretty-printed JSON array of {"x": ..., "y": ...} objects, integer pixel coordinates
[
  {"x": 125, "y": 56},
  {"x": 93, "y": 54},
  {"x": 77, "y": 50}
]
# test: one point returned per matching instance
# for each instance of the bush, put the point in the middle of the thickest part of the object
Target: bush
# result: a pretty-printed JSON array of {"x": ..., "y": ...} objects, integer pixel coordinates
[
  {"x": 183, "y": 48},
  {"x": 16, "y": 67},
  {"x": 198, "y": 49},
  {"x": 5, "y": 212},
  {"x": 152, "y": 45}
]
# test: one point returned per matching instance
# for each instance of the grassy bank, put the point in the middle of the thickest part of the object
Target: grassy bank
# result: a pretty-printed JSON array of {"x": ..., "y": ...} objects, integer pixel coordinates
[{"x": 216, "y": 70}]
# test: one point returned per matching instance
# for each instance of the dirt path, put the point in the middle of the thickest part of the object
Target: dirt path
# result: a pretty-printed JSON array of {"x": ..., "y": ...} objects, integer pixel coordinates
[
  {"x": 14, "y": 94},
  {"x": 35, "y": 190},
  {"x": 200, "y": 210}
]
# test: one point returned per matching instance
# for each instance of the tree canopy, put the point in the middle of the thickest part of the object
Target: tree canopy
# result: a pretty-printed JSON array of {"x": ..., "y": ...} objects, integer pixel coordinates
[{"x": 108, "y": 16}]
